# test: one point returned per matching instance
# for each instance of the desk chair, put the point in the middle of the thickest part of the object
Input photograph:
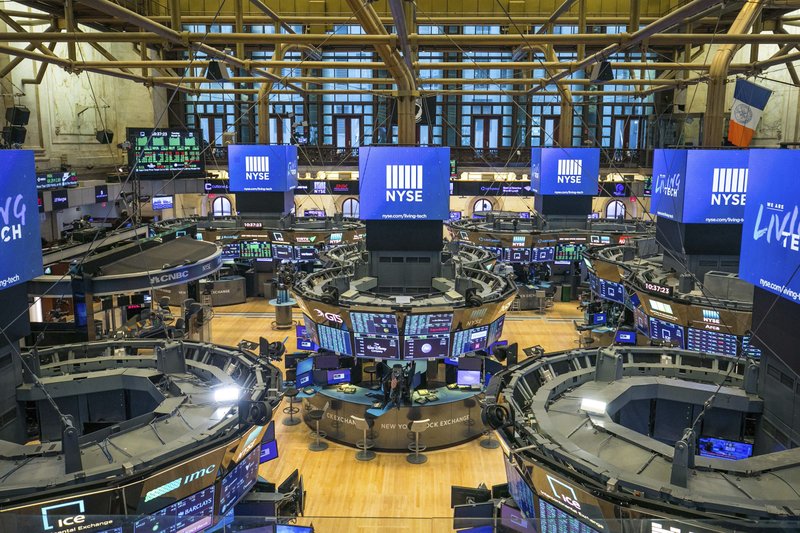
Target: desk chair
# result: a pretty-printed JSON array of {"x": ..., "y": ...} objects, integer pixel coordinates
[
  {"x": 417, "y": 427},
  {"x": 316, "y": 415},
  {"x": 541, "y": 301},
  {"x": 291, "y": 393},
  {"x": 364, "y": 453}
]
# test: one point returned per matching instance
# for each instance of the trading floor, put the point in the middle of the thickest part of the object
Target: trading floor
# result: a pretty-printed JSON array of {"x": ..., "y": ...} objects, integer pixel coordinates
[{"x": 398, "y": 497}]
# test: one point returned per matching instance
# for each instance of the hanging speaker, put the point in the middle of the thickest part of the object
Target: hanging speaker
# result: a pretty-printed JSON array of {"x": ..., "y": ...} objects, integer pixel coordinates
[
  {"x": 217, "y": 71},
  {"x": 14, "y": 135},
  {"x": 601, "y": 72},
  {"x": 18, "y": 115},
  {"x": 104, "y": 136}
]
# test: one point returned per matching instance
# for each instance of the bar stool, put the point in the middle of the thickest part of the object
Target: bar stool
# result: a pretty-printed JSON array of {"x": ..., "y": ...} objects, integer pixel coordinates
[
  {"x": 417, "y": 427},
  {"x": 371, "y": 370},
  {"x": 316, "y": 415},
  {"x": 291, "y": 393},
  {"x": 370, "y": 418},
  {"x": 541, "y": 297},
  {"x": 364, "y": 453}
]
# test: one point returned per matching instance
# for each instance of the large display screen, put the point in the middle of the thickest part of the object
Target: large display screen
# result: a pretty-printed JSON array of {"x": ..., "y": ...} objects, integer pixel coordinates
[
  {"x": 239, "y": 481},
  {"x": 425, "y": 346},
  {"x": 610, "y": 290},
  {"x": 724, "y": 449},
  {"x": 374, "y": 323},
  {"x": 496, "y": 330},
  {"x": 569, "y": 252},
  {"x": 669, "y": 174},
  {"x": 544, "y": 254},
  {"x": 335, "y": 340},
  {"x": 404, "y": 183},
  {"x": 428, "y": 324},
  {"x": 700, "y": 340},
  {"x": 554, "y": 520},
  {"x": 517, "y": 255},
  {"x": 255, "y": 250},
  {"x": 662, "y": 330},
  {"x": 771, "y": 231},
  {"x": 163, "y": 153},
  {"x": 59, "y": 199},
  {"x": 262, "y": 168},
  {"x": 378, "y": 347},
  {"x": 56, "y": 180},
  {"x": 283, "y": 251},
  {"x": 470, "y": 340},
  {"x": 565, "y": 171},
  {"x": 194, "y": 513},
  {"x": 519, "y": 489},
  {"x": 162, "y": 202},
  {"x": 20, "y": 236}
]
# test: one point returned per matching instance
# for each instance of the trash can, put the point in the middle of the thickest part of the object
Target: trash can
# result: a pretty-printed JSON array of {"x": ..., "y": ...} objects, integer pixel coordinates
[{"x": 566, "y": 293}]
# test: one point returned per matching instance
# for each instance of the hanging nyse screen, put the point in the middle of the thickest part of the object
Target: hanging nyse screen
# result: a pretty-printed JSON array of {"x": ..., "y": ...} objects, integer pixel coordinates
[
  {"x": 19, "y": 221},
  {"x": 565, "y": 171},
  {"x": 164, "y": 153},
  {"x": 262, "y": 168},
  {"x": 404, "y": 183},
  {"x": 700, "y": 186},
  {"x": 771, "y": 231}
]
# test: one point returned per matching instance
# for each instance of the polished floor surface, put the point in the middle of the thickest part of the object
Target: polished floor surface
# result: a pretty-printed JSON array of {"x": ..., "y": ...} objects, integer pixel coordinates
[{"x": 387, "y": 494}]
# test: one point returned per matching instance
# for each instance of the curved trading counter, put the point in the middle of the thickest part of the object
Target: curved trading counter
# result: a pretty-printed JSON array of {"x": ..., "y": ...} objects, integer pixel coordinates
[{"x": 455, "y": 417}]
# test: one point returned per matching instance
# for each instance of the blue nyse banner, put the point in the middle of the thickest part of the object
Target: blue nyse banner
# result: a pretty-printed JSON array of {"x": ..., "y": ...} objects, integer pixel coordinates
[
  {"x": 771, "y": 232},
  {"x": 700, "y": 186},
  {"x": 20, "y": 239},
  {"x": 262, "y": 168},
  {"x": 565, "y": 171},
  {"x": 669, "y": 175},
  {"x": 404, "y": 183}
]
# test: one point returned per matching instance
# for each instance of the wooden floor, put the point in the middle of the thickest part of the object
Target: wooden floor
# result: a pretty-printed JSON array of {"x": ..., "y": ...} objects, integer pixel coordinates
[{"x": 387, "y": 494}]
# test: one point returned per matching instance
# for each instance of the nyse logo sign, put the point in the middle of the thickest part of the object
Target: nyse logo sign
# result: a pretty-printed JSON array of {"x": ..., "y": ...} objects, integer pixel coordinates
[
  {"x": 403, "y": 183},
  {"x": 256, "y": 167},
  {"x": 668, "y": 185},
  {"x": 729, "y": 186},
  {"x": 569, "y": 171},
  {"x": 63, "y": 515}
]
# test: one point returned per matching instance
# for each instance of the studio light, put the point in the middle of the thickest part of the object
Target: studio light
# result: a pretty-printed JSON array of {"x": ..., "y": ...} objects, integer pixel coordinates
[
  {"x": 595, "y": 407},
  {"x": 228, "y": 394}
]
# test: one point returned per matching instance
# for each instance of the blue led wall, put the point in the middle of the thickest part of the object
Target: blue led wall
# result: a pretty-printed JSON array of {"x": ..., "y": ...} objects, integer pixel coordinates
[
  {"x": 565, "y": 171},
  {"x": 20, "y": 238},
  {"x": 262, "y": 168}
]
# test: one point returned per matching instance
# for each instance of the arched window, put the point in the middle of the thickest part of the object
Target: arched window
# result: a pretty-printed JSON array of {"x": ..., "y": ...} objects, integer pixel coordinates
[
  {"x": 350, "y": 208},
  {"x": 481, "y": 204},
  {"x": 221, "y": 207},
  {"x": 615, "y": 209}
]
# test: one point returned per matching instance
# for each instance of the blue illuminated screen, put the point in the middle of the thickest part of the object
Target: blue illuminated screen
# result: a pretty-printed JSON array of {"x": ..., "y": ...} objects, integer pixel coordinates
[
  {"x": 262, "y": 168},
  {"x": 565, "y": 171},
  {"x": 724, "y": 449},
  {"x": 20, "y": 236}
]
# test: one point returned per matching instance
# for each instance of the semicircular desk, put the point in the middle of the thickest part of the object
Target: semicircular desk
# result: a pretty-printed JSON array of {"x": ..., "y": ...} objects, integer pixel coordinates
[{"x": 455, "y": 417}]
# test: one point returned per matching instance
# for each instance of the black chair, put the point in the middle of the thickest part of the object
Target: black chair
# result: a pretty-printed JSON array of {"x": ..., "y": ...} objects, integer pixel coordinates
[
  {"x": 316, "y": 415},
  {"x": 291, "y": 393},
  {"x": 371, "y": 370}
]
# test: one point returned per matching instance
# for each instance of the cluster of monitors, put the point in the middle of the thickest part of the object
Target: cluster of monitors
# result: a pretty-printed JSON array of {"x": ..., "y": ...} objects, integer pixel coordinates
[
  {"x": 482, "y": 509},
  {"x": 160, "y": 153},
  {"x": 196, "y": 512},
  {"x": 425, "y": 336},
  {"x": 323, "y": 369},
  {"x": 261, "y": 250},
  {"x": 607, "y": 290},
  {"x": 562, "y": 254}
]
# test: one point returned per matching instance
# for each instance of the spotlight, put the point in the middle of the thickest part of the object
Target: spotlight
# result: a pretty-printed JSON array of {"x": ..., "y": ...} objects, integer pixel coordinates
[
  {"x": 595, "y": 407},
  {"x": 228, "y": 394}
]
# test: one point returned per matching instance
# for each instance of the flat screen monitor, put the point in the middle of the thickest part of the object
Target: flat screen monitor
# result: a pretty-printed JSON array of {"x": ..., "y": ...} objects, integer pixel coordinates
[
  {"x": 701, "y": 340},
  {"x": 255, "y": 250},
  {"x": 455, "y": 215},
  {"x": 609, "y": 290},
  {"x": 496, "y": 330},
  {"x": 334, "y": 340},
  {"x": 160, "y": 153},
  {"x": 284, "y": 528},
  {"x": 326, "y": 362},
  {"x": 305, "y": 365},
  {"x": 426, "y": 346},
  {"x": 661, "y": 330},
  {"x": 569, "y": 252},
  {"x": 193, "y": 513},
  {"x": 470, "y": 363},
  {"x": 517, "y": 255},
  {"x": 290, "y": 483},
  {"x": 306, "y": 379},
  {"x": 230, "y": 251},
  {"x": 340, "y": 375},
  {"x": 748, "y": 349},
  {"x": 283, "y": 251},
  {"x": 335, "y": 238},
  {"x": 468, "y": 377},
  {"x": 470, "y": 340},
  {"x": 269, "y": 451},
  {"x": 311, "y": 329},
  {"x": 451, "y": 361},
  {"x": 314, "y": 213},
  {"x": 428, "y": 324},
  {"x": 306, "y": 253},
  {"x": 162, "y": 202},
  {"x": 544, "y": 254},
  {"x": 724, "y": 449},
  {"x": 377, "y": 347},
  {"x": 473, "y": 515},
  {"x": 598, "y": 319},
  {"x": 513, "y": 520},
  {"x": 374, "y": 323},
  {"x": 238, "y": 481},
  {"x": 468, "y": 495},
  {"x": 59, "y": 199},
  {"x": 58, "y": 180},
  {"x": 625, "y": 337}
]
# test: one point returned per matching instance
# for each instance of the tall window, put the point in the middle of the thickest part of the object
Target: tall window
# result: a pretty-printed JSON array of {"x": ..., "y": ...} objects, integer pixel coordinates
[
  {"x": 350, "y": 208},
  {"x": 615, "y": 209},
  {"x": 221, "y": 207},
  {"x": 482, "y": 204}
]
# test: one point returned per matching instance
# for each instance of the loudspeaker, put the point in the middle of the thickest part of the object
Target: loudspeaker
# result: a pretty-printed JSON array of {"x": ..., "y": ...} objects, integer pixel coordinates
[
  {"x": 14, "y": 135},
  {"x": 254, "y": 413},
  {"x": 18, "y": 115},
  {"x": 217, "y": 71},
  {"x": 104, "y": 136},
  {"x": 601, "y": 72}
]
